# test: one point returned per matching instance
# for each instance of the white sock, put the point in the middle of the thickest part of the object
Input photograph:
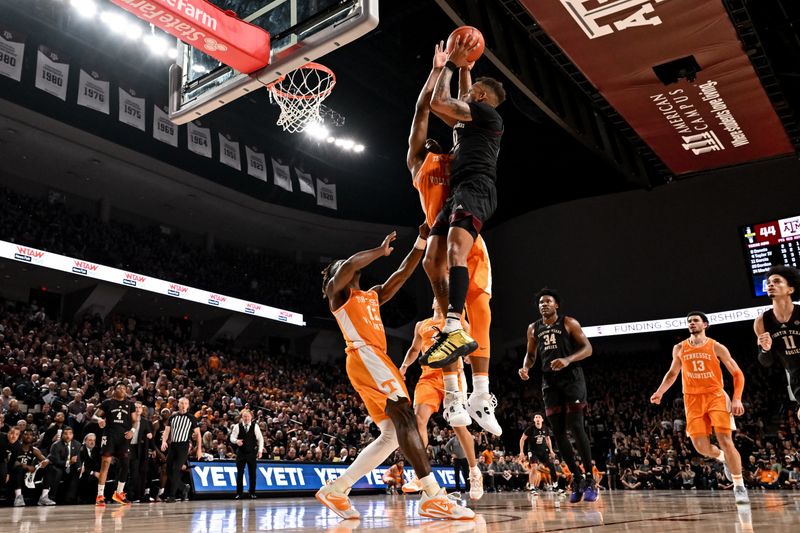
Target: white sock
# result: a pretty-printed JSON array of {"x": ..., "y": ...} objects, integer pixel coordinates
[
  {"x": 45, "y": 492},
  {"x": 475, "y": 470},
  {"x": 370, "y": 457},
  {"x": 452, "y": 323},
  {"x": 120, "y": 486},
  {"x": 17, "y": 492},
  {"x": 100, "y": 489},
  {"x": 450, "y": 381},
  {"x": 160, "y": 491},
  {"x": 480, "y": 383},
  {"x": 721, "y": 457},
  {"x": 738, "y": 481},
  {"x": 429, "y": 485}
]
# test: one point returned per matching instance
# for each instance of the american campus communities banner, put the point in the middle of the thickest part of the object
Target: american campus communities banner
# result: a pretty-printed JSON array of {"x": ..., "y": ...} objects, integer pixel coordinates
[
  {"x": 52, "y": 72},
  {"x": 12, "y": 48},
  {"x": 634, "y": 50},
  {"x": 220, "y": 476},
  {"x": 93, "y": 91},
  {"x": 25, "y": 254}
]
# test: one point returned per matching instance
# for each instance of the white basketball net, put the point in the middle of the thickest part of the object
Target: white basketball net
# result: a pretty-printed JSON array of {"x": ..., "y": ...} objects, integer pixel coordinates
[{"x": 300, "y": 93}]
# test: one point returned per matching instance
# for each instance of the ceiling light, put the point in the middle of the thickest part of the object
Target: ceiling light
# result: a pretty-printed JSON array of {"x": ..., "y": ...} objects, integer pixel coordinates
[
  {"x": 331, "y": 139},
  {"x": 317, "y": 131},
  {"x": 133, "y": 31},
  {"x": 157, "y": 45},
  {"x": 358, "y": 148},
  {"x": 85, "y": 8},
  {"x": 200, "y": 69},
  {"x": 114, "y": 21},
  {"x": 348, "y": 144},
  {"x": 172, "y": 53}
]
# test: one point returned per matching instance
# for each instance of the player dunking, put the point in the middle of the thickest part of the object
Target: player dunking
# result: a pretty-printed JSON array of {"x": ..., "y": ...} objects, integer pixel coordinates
[
  {"x": 119, "y": 416},
  {"x": 778, "y": 329},
  {"x": 472, "y": 200},
  {"x": 428, "y": 396},
  {"x": 697, "y": 360},
  {"x": 430, "y": 169},
  {"x": 377, "y": 381},
  {"x": 560, "y": 344}
]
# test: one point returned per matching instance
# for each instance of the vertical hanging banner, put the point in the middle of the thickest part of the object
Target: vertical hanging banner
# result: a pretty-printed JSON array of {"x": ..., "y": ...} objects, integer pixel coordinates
[
  {"x": 229, "y": 152},
  {"x": 12, "y": 50},
  {"x": 306, "y": 182},
  {"x": 199, "y": 139},
  {"x": 52, "y": 72},
  {"x": 164, "y": 129},
  {"x": 676, "y": 71},
  {"x": 256, "y": 163},
  {"x": 131, "y": 109},
  {"x": 326, "y": 194},
  {"x": 93, "y": 91},
  {"x": 282, "y": 177}
]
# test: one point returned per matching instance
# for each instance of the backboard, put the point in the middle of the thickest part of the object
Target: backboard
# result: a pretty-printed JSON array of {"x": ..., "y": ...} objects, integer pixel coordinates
[{"x": 301, "y": 31}]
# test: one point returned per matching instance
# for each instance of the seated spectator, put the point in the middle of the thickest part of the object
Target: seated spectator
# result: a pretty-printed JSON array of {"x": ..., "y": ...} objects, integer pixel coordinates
[
  {"x": 64, "y": 467},
  {"x": 89, "y": 469},
  {"x": 629, "y": 480}
]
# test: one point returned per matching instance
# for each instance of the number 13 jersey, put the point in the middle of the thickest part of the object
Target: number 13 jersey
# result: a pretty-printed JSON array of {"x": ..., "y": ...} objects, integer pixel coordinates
[{"x": 700, "y": 369}]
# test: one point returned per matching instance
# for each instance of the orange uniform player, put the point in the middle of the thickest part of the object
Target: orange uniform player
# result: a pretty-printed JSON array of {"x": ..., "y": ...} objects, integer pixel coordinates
[{"x": 707, "y": 405}]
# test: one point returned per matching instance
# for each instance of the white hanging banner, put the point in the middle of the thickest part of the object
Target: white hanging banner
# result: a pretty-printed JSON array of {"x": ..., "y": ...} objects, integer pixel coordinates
[
  {"x": 199, "y": 139},
  {"x": 256, "y": 163},
  {"x": 51, "y": 73},
  {"x": 164, "y": 129},
  {"x": 131, "y": 109},
  {"x": 326, "y": 194},
  {"x": 229, "y": 152},
  {"x": 282, "y": 177},
  {"x": 12, "y": 48},
  {"x": 306, "y": 182},
  {"x": 93, "y": 91}
]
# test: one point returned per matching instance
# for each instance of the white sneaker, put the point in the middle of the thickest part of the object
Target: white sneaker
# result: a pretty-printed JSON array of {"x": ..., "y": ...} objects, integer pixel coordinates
[
  {"x": 412, "y": 486},
  {"x": 740, "y": 495},
  {"x": 44, "y": 500},
  {"x": 454, "y": 410},
  {"x": 440, "y": 506},
  {"x": 481, "y": 409},
  {"x": 475, "y": 483},
  {"x": 19, "y": 501},
  {"x": 337, "y": 501}
]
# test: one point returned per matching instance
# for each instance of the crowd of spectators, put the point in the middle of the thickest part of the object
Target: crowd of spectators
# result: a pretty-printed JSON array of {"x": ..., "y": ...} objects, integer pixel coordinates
[
  {"x": 247, "y": 273},
  {"x": 54, "y": 375}
]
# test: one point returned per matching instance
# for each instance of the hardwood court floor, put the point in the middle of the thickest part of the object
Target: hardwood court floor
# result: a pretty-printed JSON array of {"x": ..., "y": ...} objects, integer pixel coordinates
[{"x": 617, "y": 511}]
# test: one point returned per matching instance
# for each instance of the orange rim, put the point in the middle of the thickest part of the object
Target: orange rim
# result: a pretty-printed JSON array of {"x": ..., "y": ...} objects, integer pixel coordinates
[{"x": 309, "y": 66}]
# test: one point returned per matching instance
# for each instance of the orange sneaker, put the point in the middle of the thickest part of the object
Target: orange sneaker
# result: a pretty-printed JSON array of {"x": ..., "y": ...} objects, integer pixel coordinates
[
  {"x": 337, "y": 501},
  {"x": 120, "y": 498},
  {"x": 412, "y": 486},
  {"x": 440, "y": 506},
  {"x": 100, "y": 501}
]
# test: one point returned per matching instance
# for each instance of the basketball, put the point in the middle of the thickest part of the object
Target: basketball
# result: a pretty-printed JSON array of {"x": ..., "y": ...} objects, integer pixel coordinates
[{"x": 465, "y": 32}]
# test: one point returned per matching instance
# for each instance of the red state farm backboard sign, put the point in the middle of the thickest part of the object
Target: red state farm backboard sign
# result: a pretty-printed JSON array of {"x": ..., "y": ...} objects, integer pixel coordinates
[{"x": 721, "y": 118}]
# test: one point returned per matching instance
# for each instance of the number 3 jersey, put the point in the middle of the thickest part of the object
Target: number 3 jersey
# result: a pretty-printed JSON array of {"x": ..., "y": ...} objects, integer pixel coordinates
[
  {"x": 553, "y": 341},
  {"x": 700, "y": 369}
]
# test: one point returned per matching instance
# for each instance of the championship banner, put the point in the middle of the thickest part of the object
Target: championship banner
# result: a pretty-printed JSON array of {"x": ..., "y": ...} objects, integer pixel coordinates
[
  {"x": 211, "y": 30},
  {"x": 131, "y": 109},
  {"x": 676, "y": 71},
  {"x": 93, "y": 91},
  {"x": 256, "y": 163},
  {"x": 229, "y": 152},
  {"x": 12, "y": 50},
  {"x": 283, "y": 178},
  {"x": 326, "y": 194},
  {"x": 220, "y": 476},
  {"x": 26, "y": 254},
  {"x": 306, "y": 182},
  {"x": 199, "y": 139},
  {"x": 52, "y": 72},
  {"x": 164, "y": 129}
]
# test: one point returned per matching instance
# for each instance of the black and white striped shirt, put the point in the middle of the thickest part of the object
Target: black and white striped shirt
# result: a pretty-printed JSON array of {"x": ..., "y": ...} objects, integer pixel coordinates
[{"x": 181, "y": 427}]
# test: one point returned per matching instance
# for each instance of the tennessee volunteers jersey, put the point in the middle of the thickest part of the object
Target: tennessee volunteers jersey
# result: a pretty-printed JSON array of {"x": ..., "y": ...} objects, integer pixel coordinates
[
  {"x": 432, "y": 181},
  {"x": 479, "y": 266},
  {"x": 360, "y": 321},
  {"x": 700, "y": 369}
]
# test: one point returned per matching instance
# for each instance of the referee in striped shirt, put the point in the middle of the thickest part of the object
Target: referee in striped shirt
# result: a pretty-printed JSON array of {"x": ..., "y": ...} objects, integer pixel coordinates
[{"x": 180, "y": 426}]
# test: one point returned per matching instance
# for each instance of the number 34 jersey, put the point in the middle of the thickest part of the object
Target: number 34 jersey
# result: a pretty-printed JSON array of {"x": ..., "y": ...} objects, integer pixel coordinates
[
  {"x": 553, "y": 341},
  {"x": 700, "y": 369}
]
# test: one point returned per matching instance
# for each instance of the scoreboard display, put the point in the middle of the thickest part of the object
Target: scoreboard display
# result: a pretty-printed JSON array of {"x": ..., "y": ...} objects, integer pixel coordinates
[{"x": 766, "y": 244}]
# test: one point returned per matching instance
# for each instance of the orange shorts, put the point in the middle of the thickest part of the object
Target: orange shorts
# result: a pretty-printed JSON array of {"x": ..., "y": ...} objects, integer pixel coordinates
[
  {"x": 704, "y": 411},
  {"x": 430, "y": 387},
  {"x": 375, "y": 379},
  {"x": 479, "y": 315}
]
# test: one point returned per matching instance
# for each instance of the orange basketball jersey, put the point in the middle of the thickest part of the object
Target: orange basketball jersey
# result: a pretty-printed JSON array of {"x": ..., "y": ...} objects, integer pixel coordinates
[
  {"x": 700, "y": 369},
  {"x": 432, "y": 180},
  {"x": 360, "y": 321}
]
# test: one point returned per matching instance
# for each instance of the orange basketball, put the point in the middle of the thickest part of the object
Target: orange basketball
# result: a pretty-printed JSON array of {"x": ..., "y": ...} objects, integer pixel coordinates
[{"x": 465, "y": 32}]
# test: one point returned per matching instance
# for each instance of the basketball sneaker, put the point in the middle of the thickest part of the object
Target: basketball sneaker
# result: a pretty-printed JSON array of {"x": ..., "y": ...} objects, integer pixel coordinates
[
  {"x": 449, "y": 347},
  {"x": 454, "y": 411},
  {"x": 481, "y": 408},
  {"x": 44, "y": 500},
  {"x": 19, "y": 501},
  {"x": 577, "y": 490},
  {"x": 337, "y": 501},
  {"x": 412, "y": 486},
  {"x": 440, "y": 506},
  {"x": 590, "y": 493},
  {"x": 100, "y": 501},
  {"x": 475, "y": 483},
  {"x": 120, "y": 498},
  {"x": 740, "y": 495},
  {"x": 728, "y": 474}
]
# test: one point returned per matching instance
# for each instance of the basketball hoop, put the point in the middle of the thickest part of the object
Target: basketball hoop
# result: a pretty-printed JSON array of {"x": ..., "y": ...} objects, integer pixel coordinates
[{"x": 300, "y": 93}]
